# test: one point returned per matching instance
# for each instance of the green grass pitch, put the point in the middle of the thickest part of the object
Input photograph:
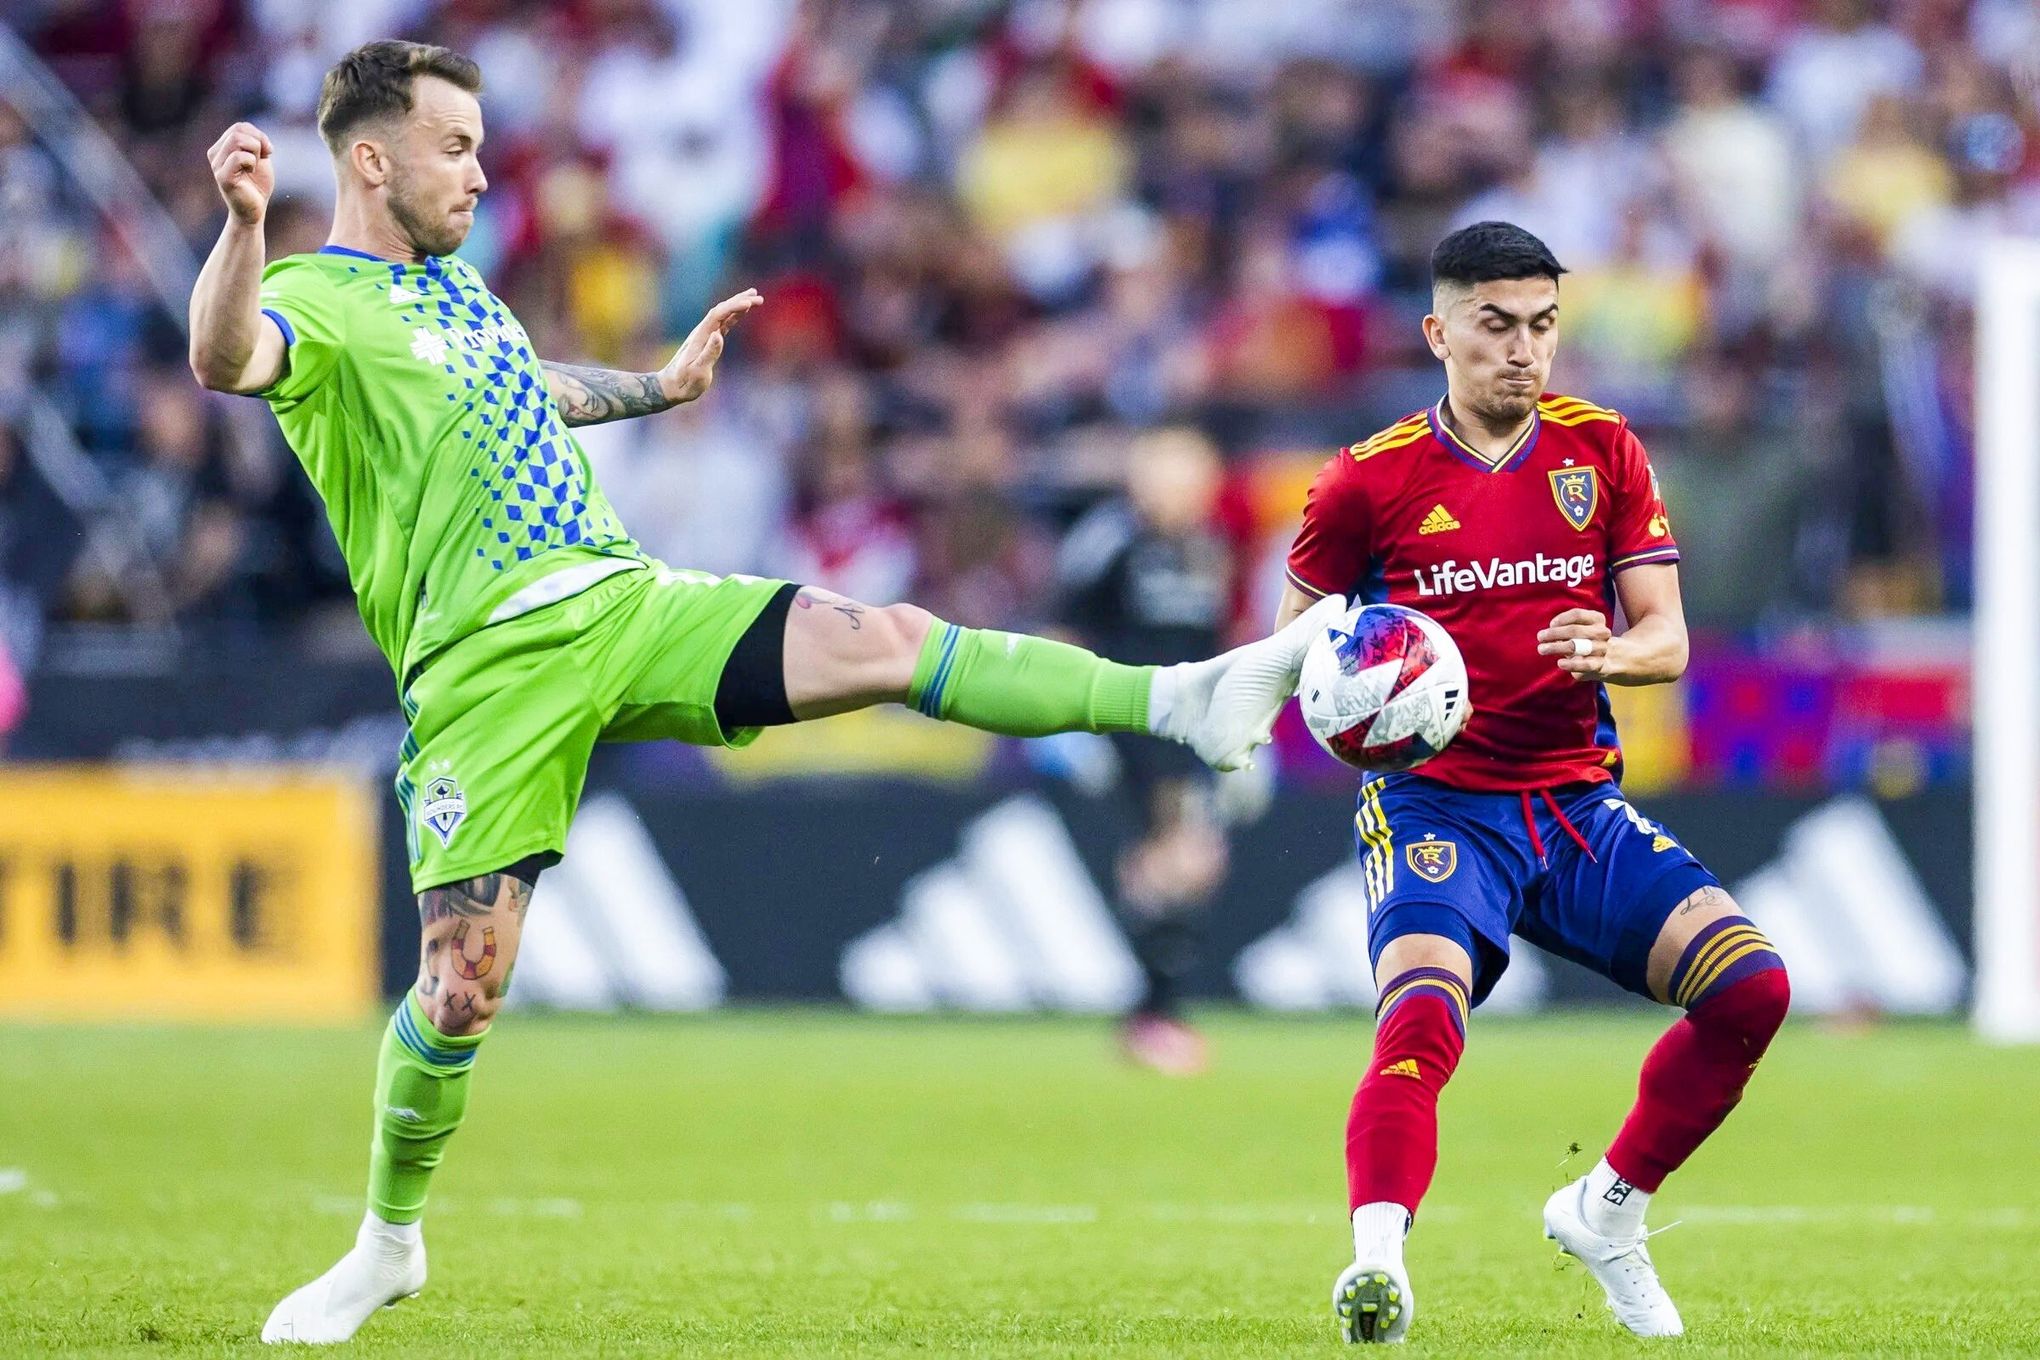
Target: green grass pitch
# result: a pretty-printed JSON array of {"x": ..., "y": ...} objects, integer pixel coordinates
[{"x": 819, "y": 1184}]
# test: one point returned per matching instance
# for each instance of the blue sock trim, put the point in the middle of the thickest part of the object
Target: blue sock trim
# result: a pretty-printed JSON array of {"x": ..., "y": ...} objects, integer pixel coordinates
[
  {"x": 409, "y": 1036},
  {"x": 931, "y": 698}
]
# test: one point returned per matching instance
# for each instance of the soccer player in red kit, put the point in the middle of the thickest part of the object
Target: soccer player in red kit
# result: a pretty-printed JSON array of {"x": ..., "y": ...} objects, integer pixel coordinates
[{"x": 1520, "y": 520}]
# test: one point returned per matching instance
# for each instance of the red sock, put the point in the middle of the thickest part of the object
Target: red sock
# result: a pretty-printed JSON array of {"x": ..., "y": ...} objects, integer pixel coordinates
[
  {"x": 1392, "y": 1132},
  {"x": 1695, "y": 1075}
]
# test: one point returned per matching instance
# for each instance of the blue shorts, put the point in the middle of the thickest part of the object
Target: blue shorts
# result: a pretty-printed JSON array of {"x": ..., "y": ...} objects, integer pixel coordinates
[{"x": 1476, "y": 867}]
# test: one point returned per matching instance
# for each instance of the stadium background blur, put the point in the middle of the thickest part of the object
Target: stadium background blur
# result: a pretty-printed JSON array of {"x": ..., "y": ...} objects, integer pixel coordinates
[{"x": 997, "y": 239}]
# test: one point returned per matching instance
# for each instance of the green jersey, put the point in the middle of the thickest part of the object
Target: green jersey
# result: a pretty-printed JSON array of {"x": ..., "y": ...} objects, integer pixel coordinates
[{"x": 413, "y": 399}]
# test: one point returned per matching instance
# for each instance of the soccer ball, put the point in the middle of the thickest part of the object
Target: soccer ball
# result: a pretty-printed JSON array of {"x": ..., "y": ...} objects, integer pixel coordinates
[{"x": 1384, "y": 688}]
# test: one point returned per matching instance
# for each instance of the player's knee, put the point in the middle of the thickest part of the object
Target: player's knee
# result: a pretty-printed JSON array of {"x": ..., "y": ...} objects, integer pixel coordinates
[
  {"x": 901, "y": 631},
  {"x": 460, "y": 1009},
  {"x": 1420, "y": 1027},
  {"x": 1752, "y": 1009}
]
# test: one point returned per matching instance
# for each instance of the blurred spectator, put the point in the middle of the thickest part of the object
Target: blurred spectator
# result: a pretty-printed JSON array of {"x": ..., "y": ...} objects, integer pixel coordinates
[
  {"x": 1887, "y": 174},
  {"x": 1830, "y": 68},
  {"x": 39, "y": 541},
  {"x": 1147, "y": 577},
  {"x": 1731, "y": 159}
]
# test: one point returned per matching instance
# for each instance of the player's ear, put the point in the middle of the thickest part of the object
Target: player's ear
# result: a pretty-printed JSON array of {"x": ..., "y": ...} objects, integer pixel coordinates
[
  {"x": 371, "y": 161},
  {"x": 1434, "y": 336}
]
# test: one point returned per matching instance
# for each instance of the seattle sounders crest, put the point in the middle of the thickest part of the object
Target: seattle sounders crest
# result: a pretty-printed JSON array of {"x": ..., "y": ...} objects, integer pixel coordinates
[{"x": 444, "y": 807}]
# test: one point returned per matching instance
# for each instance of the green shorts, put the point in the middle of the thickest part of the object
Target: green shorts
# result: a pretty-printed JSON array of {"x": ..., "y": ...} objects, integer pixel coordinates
[{"x": 503, "y": 722}]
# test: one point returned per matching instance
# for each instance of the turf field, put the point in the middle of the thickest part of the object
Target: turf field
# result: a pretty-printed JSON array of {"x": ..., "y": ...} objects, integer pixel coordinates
[{"x": 816, "y": 1184}]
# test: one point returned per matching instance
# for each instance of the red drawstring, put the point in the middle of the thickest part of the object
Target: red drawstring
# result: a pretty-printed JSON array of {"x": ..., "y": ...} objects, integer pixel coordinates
[
  {"x": 1537, "y": 840},
  {"x": 1530, "y": 825},
  {"x": 1570, "y": 829}
]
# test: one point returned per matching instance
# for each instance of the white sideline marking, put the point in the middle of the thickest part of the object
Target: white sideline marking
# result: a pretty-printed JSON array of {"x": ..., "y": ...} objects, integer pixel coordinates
[
  {"x": 877, "y": 1211},
  {"x": 1025, "y": 1213},
  {"x": 1020, "y": 1214},
  {"x": 535, "y": 1208}
]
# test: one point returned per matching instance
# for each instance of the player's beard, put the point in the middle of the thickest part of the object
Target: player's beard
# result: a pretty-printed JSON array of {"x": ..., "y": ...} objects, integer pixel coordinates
[
  {"x": 1510, "y": 404},
  {"x": 432, "y": 233}
]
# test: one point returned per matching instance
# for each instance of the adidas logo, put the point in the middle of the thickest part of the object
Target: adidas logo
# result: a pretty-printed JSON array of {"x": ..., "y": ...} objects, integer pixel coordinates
[
  {"x": 400, "y": 294},
  {"x": 1012, "y": 922},
  {"x": 1406, "y": 1068},
  {"x": 1438, "y": 521},
  {"x": 610, "y": 928},
  {"x": 406, "y": 1113}
]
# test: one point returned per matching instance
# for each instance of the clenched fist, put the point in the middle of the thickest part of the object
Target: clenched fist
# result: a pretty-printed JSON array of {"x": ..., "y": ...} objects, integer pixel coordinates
[
  {"x": 1580, "y": 639},
  {"x": 244, "y": 172}
]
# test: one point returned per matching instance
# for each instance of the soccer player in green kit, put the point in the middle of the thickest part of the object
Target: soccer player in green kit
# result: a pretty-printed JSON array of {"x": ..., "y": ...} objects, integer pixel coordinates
[{"x": 522, "y": 622}]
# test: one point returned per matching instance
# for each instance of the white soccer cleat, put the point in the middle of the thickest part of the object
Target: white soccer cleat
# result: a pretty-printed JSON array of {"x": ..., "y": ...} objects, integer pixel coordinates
[
  {"x": 1225, "y": 707},
  {"x": 1622, "y": 1265},
  {"x": 1374, "y": 1302},
  {"x": 387, "y": 1264}
]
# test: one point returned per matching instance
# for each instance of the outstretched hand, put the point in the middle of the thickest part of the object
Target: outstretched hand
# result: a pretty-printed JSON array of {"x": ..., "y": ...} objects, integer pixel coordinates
[{"x": 692, "y": 368}]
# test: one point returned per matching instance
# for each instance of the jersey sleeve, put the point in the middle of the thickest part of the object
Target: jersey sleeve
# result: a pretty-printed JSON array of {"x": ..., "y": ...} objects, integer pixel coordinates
[
  {"x": 1332, "y": 549},
  {"x": 306, "y": 309},
  {"x": 1640, "y": 531}
]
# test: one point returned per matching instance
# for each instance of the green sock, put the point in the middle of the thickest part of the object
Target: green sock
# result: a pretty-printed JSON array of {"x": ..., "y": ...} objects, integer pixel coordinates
[
  {"x": 1021, "y": 686},
  {"x": 421, "y": 1092}
]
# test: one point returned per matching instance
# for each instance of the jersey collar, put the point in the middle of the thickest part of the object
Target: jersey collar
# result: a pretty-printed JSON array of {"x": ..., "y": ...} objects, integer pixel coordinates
[
  {"x": 1511, "y": 457},
  {"x": 431, "y": 264}
]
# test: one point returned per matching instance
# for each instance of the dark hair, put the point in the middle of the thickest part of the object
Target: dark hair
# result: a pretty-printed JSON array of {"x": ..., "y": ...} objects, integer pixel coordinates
[
  {"x": 1487, "y": 251},
  {"x": 375, "y": 79}
]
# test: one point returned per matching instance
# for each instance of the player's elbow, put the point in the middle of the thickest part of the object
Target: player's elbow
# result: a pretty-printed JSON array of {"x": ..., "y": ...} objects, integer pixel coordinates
[
  {"x": 212, "y": 375},
  {"x": 1662, "y": 649},
  {"x": 1677, "y": 654}
]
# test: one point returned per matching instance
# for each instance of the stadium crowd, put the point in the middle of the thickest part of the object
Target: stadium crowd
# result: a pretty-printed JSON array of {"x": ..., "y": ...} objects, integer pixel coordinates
[{"x": 996, "y": 240}]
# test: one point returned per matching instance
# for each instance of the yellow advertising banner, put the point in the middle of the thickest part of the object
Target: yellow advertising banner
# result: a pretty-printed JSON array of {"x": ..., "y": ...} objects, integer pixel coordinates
[{"x": 154, "y": 893}]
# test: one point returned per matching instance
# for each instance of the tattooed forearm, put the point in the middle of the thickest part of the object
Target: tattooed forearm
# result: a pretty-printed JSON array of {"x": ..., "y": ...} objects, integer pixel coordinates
[{"x": 590, "y": 396}]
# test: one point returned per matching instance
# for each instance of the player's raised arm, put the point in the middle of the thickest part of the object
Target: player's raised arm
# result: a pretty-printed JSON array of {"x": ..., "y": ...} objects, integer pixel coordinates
[
  {"x": 592, "y": 396},
  {"x": 234, "y": 348}
]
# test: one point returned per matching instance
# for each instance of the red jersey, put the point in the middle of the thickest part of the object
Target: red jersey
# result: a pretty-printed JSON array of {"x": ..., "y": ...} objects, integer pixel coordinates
[{"x": 1494, "y": 551}]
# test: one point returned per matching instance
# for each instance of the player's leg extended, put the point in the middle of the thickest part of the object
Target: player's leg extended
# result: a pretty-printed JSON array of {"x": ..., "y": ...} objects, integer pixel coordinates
[
  {"x": 841, "y": 655},
  {"x": 470, "y": 933},
  {"x": 1425, "y": 981}
]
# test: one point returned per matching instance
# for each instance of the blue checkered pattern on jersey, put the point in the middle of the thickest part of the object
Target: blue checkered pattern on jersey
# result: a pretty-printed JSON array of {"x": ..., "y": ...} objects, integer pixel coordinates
[{"x": 537, "y": 496}]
